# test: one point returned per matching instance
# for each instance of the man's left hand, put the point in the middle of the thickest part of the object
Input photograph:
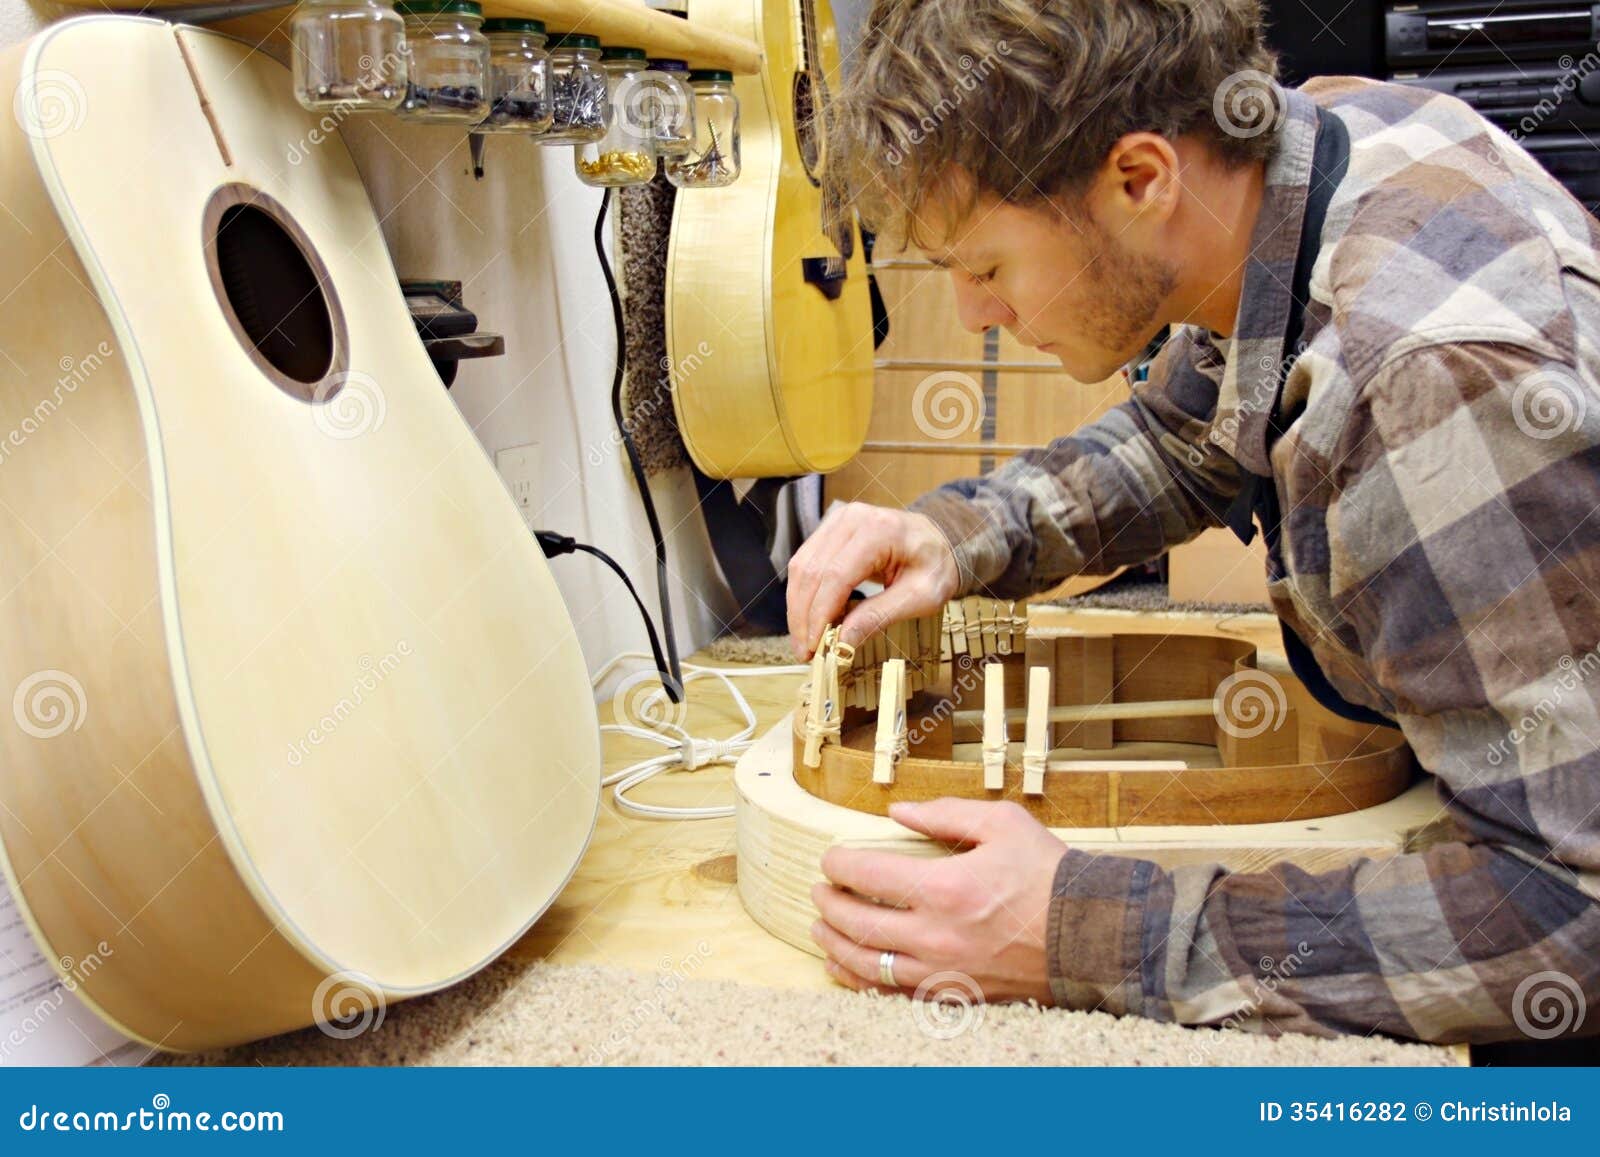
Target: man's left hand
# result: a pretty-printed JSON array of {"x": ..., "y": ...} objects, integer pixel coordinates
[{"x": 981, "y": 914}]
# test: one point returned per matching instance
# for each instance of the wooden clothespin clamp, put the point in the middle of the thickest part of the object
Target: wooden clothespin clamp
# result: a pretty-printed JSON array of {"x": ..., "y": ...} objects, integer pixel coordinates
[
  {"x": 1036, "y": 740},
  {"x": 891, "y": 745},
  {"x": 825, "y": 713},
  {"x": 995, "y": 739}
]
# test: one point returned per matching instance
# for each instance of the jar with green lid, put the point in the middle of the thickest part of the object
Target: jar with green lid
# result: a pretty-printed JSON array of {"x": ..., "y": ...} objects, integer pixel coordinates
[
  {"x": 713, "y": 157},
  {"x": 670, "y": 109},
  {"x": 449, "y": 76},
  {"x": 349, "y": 55},
  {"x": 519, "y": 77},
  {"x": 579, "y": 102},
  {"x": 625, "y": 155}
]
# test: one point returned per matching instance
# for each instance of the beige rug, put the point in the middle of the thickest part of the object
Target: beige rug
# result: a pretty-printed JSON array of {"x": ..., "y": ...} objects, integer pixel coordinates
[{"x": 539, "y": 1014}]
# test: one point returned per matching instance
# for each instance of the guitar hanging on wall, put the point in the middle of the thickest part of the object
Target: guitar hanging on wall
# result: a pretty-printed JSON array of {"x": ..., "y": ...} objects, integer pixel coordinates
[
  {"x": 769, "y": 321},
  {"x": 300, "y": 721}
]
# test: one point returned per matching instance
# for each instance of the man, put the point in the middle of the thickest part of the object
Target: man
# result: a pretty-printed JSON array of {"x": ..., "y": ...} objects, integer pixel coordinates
[{"x": 1421, "y": 444}]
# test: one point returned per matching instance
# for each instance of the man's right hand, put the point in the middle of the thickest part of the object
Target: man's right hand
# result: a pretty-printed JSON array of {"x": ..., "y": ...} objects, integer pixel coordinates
[{"x": 906, "y": 552}]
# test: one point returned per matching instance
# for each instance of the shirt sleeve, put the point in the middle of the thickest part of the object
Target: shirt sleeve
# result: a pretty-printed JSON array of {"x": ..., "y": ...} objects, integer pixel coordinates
[
  {"x": 1121, "y": 490},
  {"x": 1463, "y": 549}
]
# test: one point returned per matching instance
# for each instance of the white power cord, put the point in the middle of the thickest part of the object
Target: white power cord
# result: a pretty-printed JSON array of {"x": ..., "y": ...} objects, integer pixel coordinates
[{"x": 687, "y": 753}]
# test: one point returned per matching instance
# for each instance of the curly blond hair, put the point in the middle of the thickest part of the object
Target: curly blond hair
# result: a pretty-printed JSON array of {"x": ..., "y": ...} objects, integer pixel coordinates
[{"x": 1027, "y": 98}]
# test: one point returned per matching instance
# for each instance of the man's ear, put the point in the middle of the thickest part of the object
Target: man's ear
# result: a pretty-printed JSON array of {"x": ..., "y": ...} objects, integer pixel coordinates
[{"x": 1139, "y": 185}]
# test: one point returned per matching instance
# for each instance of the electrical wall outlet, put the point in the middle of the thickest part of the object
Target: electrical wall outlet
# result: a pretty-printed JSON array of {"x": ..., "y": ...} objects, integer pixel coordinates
[{"x": 519, "y": 466}]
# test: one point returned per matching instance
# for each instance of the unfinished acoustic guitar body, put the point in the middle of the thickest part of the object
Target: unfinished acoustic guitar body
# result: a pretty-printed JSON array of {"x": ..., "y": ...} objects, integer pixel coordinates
[
  {"x": 298, "y": 716},
  {"x": 1119, "y": 742}
]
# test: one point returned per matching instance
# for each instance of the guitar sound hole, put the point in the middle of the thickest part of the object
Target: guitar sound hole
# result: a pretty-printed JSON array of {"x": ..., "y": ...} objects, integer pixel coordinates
[
  {"x": 806, "y": 134},
  {"x": 272, "y": 293}
]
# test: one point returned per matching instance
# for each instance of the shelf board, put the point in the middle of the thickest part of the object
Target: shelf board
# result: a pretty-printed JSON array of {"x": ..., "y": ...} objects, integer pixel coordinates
[{"x": 613, "y": 21}]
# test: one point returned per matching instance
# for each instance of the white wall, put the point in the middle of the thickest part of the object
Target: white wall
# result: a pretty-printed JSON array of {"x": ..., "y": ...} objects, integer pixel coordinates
[{"x": 521, "y": 241}]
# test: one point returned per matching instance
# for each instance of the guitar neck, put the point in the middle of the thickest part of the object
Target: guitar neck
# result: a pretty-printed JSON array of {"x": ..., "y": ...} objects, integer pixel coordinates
[{"x": 810, "y": 55}]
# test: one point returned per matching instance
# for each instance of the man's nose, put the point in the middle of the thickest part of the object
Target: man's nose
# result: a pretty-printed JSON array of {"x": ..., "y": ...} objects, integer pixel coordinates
[{"x": 978, "y": 308}]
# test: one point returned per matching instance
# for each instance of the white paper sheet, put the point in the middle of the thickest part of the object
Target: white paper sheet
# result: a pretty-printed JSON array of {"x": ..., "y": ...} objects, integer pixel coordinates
[{"x": 42, "y": 1021}]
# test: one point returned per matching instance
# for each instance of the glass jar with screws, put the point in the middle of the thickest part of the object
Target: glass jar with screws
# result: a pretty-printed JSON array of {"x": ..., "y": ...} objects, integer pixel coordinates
[
  {"x": 626, "y": 154},
  {"x": 519, "y": 77},
  {"x": 578, "y": 99},
  {"x": 348, "y": 55},
  {"x": 449, "y": 81},
  {"x": 671, "y": 116},
  {"x": 713, "y": 157}
]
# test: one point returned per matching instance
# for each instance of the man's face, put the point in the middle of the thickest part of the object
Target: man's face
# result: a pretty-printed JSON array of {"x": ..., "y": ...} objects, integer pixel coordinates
[{"x": 1062, "y": 284}]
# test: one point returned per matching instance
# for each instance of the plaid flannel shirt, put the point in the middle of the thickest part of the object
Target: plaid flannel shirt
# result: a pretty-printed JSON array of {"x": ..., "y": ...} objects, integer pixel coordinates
[{"x": 1440, "y": 553}]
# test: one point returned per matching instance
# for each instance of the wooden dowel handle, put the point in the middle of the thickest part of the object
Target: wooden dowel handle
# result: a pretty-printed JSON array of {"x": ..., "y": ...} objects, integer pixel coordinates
[{"x": 1154, "y": 709}]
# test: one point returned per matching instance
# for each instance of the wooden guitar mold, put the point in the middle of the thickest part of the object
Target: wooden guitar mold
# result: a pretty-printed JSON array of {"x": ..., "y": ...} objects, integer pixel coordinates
[{"x": 1132, "y": 742}]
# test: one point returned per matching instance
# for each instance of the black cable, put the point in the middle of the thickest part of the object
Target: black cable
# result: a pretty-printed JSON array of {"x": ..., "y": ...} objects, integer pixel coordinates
[
  {"x": 671, "y": 671},
  {"x": 556, "y": 545}
]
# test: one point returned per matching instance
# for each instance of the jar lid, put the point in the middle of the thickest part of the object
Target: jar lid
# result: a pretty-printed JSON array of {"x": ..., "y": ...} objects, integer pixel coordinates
[
  {"x": 615, "y": 52},
  {"x": 440, "y": 8},
  {"x": 668, "y": 64},
  {"x": 574, "y": 40},
  {"x": 502, "y": 24},
  {"x": 711, "y": 74}
]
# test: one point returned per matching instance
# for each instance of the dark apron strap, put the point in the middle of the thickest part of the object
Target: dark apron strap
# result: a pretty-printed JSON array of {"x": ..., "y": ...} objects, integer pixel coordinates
[{"x": 1258, "y": 501}]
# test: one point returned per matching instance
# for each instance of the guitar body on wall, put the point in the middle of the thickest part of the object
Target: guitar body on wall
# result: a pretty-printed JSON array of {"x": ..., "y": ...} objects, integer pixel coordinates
[
  {"x": 769, "y": 318},
  {"x": 299, "y": 721}
]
